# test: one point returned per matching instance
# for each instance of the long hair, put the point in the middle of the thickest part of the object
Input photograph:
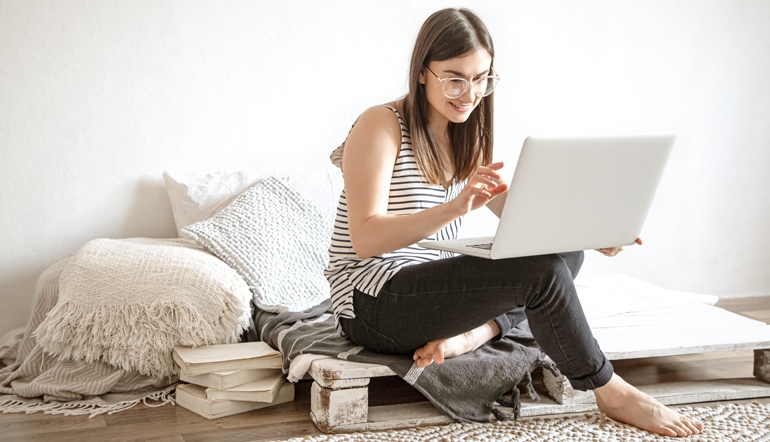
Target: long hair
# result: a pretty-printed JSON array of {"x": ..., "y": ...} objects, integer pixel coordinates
[{"x": 447, "y": 34}]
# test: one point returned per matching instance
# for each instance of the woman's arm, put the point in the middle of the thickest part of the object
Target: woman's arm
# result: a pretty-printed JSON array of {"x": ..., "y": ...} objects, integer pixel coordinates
[{"x": 367, "y": 162}]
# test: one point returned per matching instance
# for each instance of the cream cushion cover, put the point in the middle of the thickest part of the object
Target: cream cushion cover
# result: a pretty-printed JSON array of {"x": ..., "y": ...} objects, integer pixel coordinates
[
  {"x": 196, "y": 196},
  {"x": 277, "y": 241}
]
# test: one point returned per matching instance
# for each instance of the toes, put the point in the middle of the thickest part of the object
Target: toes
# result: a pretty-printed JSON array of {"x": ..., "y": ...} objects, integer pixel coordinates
[
  {"x": 678, "y": 430},
  {"x": 694, "y": 427},
  {"x": 684, "y": 431},
  {"x": 668, "y": 432}
]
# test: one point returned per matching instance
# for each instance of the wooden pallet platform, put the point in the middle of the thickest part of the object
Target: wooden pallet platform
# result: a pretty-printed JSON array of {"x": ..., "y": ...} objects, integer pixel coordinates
[{"x": 339, "y": 400}]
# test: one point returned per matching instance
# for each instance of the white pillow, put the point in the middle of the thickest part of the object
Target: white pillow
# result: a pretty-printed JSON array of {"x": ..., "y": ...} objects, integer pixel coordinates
[
  {"x": 198, "y": 196},
  {"x": 276, "y": 240}
]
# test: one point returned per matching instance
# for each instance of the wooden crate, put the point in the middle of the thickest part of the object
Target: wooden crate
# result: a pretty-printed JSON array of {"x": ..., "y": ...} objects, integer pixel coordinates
[{"x": 339, "y": 401}]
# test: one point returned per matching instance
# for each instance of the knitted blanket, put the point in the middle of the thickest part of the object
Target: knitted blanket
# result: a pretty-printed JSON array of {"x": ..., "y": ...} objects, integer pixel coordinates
[
  {"x": 39, "y": 382},
  {"x": 104, "y": 324},
  {"x": 129, "y": 302}
]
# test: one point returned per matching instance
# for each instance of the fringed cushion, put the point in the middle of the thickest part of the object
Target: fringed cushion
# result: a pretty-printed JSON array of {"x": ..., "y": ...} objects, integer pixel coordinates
[
  {"x": 129, "y": 302},
  {"x": 277, "y": 241}
]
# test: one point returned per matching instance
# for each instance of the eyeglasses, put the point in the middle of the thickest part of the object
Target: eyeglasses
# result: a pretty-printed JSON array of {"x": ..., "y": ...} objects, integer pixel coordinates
[{"x": 456, "y": 87}]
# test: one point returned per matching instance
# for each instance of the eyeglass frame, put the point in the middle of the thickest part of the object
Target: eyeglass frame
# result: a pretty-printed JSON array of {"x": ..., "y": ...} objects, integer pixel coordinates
[{"x": 465, "y": 82}]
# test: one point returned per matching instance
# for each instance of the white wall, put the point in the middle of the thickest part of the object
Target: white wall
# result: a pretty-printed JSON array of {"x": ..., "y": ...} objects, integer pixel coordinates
[{"x": 97, "y": 98}]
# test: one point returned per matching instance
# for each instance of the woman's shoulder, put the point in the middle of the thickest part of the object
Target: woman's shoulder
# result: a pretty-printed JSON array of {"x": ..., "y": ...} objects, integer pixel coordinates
[
  {"x": 379, "y": 120},
  {"x": 382, "y": 114},
  {"x": 377, "y": 129}
]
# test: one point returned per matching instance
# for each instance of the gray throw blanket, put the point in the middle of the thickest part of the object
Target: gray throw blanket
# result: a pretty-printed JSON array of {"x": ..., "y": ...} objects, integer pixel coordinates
[{"x": 465, "y": 387}]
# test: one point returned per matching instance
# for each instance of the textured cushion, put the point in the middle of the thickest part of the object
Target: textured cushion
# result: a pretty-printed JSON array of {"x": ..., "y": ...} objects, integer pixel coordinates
[
  {"x": 130, "y": 302},
  {"x": 196, "y": 197},
  {"x": 276, "y": 240}
]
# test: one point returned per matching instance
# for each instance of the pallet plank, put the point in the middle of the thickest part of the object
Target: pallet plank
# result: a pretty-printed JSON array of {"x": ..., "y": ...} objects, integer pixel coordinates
[
  {"x": 390, "y": 417},
  {"x": 336, "y": 369}
]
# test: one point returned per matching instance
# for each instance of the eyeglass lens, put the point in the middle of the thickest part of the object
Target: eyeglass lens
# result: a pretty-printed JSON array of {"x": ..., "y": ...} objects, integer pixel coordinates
[{"x": 481, "y": 87}]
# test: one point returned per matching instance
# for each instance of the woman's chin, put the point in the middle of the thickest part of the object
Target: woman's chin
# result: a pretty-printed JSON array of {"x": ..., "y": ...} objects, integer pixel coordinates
[
  {"x": 457, "y": 115},
  {"x": 457, "y": 119}
]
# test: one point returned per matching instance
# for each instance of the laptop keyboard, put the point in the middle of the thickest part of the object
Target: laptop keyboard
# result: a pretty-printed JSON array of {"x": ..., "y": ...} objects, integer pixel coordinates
[{"x": 485, "y": 246}]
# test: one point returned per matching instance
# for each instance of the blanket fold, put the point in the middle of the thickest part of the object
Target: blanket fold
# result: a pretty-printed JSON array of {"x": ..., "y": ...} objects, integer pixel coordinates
[
  {"x": 465, "y": 387},
  {"x": 39, "y": 382},
  {"x": 129, "y": 302}
]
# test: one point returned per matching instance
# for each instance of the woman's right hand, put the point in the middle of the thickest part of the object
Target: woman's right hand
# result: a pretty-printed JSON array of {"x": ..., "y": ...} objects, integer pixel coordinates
[{"x": 480, "y": 189}]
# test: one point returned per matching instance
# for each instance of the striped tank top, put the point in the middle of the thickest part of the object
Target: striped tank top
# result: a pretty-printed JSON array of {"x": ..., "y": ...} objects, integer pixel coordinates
[{"x": 409, "y": 193}]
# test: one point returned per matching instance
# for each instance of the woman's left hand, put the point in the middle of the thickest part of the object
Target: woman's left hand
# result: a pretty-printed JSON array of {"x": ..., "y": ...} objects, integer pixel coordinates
[
  {"x": 480, "y": 189},
  {"x": 612, "y": 251}
]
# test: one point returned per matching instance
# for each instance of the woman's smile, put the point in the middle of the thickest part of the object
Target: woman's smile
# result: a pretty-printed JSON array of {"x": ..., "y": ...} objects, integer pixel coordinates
[{"x": 462, "y": 108}]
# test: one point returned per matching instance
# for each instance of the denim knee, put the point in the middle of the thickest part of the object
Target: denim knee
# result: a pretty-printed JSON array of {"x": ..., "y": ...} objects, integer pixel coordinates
[{"x": 554, "y": 278}]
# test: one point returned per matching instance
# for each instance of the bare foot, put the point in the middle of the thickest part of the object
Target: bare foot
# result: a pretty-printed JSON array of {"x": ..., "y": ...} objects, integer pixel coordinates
[
  {"x": 440, "y": 349},
  {"x": 622, "y": 402}
]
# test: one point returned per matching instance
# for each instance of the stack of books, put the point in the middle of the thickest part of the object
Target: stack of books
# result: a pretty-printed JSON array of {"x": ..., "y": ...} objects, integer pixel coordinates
[{"x": 228, "y": 379}]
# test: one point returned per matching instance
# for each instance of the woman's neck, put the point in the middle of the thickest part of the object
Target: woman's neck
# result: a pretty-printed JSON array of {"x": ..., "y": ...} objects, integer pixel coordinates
[{"x": 439, "y": 125}]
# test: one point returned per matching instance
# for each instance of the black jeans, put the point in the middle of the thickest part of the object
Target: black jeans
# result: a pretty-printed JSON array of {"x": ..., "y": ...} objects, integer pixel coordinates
[{"x": 448, "y": 297}]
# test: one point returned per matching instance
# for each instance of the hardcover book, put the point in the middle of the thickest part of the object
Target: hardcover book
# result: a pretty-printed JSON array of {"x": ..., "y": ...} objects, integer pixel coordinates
[
  {"x": 194, "y": 361},
  {"x": 262, "y": 390},
  {"x": 223, "y": 380},
  {"x": 193, "y": 397}
]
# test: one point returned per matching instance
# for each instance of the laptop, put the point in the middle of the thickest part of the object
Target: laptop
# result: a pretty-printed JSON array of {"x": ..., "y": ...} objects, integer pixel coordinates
[{"x": 570, "y": 194}]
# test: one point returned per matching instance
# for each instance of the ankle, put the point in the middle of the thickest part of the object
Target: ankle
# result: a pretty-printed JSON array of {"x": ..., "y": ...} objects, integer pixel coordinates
[
  {"x": 481, "y": 335},
  {"x": 614, "y": 393}
]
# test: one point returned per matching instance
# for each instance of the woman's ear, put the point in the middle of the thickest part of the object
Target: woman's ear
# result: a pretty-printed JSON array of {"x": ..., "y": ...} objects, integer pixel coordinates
[{"x": 421, "y": 76}]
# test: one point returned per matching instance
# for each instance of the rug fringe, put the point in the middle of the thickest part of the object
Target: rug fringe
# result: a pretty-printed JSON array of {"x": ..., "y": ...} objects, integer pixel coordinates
[{"x": 76, "y": 408}]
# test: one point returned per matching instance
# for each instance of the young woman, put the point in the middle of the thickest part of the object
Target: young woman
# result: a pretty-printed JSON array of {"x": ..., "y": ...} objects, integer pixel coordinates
[{"x": 412, "y": 169}]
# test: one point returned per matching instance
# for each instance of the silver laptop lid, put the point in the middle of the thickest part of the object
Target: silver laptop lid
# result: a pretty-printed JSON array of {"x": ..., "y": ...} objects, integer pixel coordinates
[{"x": 580, "y": 193}]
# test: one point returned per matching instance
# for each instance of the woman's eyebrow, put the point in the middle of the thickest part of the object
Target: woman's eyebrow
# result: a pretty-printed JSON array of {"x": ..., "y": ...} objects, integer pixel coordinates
[{"x": 461, "y": 75}]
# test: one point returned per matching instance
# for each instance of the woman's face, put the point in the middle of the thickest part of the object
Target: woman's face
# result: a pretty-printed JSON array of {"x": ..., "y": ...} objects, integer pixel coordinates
[{"x": 470, "y": 66}]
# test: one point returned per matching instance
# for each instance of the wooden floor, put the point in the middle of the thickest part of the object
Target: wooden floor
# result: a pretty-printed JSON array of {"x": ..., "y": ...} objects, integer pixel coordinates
[{"x": 169, "y": 423}]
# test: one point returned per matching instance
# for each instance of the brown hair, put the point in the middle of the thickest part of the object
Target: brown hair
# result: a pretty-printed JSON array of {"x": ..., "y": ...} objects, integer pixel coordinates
[{"x": 447, "y": 34}]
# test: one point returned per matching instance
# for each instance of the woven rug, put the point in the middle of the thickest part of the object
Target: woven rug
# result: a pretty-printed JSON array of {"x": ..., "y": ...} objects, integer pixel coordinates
[{"x": 730, "y": 422}]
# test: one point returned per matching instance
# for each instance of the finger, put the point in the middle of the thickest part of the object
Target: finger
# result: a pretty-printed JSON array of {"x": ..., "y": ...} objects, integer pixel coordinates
[
  {"x": 490, "y": 170},
  {"x": 496, "y": 166},
  {"x": 608, "y": 252},
  {"x": 477, "y": 191},
  {"x": 639, "y": 241},
  {"x": 481, "y": 179},
  {"x": 497, "y": 190}
]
